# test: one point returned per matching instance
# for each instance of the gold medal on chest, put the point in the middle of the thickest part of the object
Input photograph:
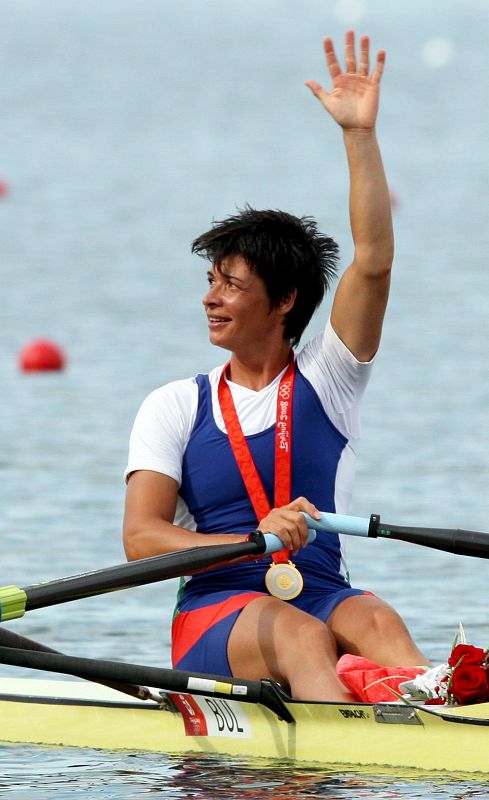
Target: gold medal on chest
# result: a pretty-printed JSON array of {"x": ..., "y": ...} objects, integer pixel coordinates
[{"x": 283, "y": 580}]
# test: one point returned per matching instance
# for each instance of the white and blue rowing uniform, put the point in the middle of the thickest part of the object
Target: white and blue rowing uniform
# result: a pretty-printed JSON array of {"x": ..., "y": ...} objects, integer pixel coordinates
[{"x": 182, "y": 422}]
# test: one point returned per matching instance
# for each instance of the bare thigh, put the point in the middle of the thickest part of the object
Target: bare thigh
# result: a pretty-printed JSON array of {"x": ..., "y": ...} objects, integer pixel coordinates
[{"x": 272, "y": 639}]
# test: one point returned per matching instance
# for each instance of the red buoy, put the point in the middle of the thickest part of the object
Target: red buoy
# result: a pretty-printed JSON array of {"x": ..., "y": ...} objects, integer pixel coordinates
[
  {"x": 3, "y": 188},
  {"x": 41, "y": 355}
]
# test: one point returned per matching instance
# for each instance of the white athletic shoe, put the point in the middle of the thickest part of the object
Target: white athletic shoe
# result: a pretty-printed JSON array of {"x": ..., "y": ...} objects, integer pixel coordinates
[{"x": 426, "y": 685}]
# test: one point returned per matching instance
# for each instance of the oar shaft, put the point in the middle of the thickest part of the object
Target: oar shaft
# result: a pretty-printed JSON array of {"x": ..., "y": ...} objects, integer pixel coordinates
[
  {"x": 265, "y": 692},
  {"x": 459, "y": 542},
  {"x": 95, "y": 669},
  {"x": 14, "y": 602},
  {"x": 22, "y": 643},
  {"x": 450, "y": 540},
  {"x": 134, "y": 573}
]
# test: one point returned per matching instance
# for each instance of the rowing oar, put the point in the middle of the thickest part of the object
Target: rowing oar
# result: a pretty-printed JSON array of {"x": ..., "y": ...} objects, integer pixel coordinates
[
  {"x": 22, "y": 643},
  {"x": 450, "y": 540},
  {"x": 265, "y": 692},
  {"x": 15, "y": 602}
]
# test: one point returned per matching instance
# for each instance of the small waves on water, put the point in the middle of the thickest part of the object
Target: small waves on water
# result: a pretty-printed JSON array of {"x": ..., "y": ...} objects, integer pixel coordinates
[{"x": 126, "y": 776}]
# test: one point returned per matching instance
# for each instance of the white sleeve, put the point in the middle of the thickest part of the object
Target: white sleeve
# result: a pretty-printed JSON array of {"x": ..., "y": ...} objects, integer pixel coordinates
[
  {"x": 162, "y": 429},
  {"x": 338, "y": 378}
]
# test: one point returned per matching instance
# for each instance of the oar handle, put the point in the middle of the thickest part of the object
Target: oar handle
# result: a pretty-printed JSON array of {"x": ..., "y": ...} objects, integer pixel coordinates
[
  {"x": 273, "y": 544},
  {"x": 331, "y": 523},
  {"x": 340, "y": 523}
]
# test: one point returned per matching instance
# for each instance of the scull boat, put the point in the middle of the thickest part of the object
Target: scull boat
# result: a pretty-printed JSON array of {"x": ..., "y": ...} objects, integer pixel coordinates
[
  {"x": 195, "y": 713},
  {"x": 76, "y": 714}
]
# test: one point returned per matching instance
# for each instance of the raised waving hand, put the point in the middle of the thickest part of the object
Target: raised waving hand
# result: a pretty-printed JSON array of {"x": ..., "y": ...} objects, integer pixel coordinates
[{"x": 354, "y": 98}]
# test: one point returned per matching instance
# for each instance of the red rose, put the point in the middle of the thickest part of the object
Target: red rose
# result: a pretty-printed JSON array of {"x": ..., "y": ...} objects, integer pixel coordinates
[
  {"x": 469, "y": 684},
  {"x": 470, "y": 655}
]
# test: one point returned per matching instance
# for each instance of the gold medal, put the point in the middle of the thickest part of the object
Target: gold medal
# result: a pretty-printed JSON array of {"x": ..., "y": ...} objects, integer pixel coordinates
[{"x": 283, "y": 580}]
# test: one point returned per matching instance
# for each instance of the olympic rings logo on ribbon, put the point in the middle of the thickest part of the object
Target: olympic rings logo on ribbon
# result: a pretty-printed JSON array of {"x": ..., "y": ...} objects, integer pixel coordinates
[{"x": 284, "y": 391}]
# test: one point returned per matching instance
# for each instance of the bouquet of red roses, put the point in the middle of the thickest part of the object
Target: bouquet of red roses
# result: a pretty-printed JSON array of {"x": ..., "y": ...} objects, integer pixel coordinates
[{"x": 467, "y": 677}]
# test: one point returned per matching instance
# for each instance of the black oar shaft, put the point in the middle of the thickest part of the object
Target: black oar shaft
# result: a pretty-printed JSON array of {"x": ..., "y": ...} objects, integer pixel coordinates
[
  {"x": 98, "y": 669},
  {"x": 18, "y": 642},
  {"x": 459, "y": 542},
  {"x": 22, "y": 643},
  {"x": 14, "y": 601},
  {"x": 265, "y": 692},
  {"x": 135, "y": 573}
]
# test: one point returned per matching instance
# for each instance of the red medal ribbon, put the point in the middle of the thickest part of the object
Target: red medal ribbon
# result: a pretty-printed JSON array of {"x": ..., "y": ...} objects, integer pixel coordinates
[{"x": 283, "y": 448}]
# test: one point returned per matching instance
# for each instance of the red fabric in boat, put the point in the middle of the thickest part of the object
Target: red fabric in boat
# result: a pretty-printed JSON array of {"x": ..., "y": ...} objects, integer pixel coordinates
[{"x": 370, "y": 682}]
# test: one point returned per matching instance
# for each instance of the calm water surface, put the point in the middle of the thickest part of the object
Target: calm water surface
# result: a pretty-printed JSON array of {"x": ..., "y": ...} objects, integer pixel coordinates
[{"x": 126, "y": 128}]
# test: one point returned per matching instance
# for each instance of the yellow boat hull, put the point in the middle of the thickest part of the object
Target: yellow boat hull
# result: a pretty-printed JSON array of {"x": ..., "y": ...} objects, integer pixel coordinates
[{"x": 75, "y": 714}]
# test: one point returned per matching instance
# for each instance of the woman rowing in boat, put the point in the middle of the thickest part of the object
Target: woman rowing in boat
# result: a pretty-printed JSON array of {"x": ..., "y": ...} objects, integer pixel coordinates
[{"x": 273, "y": 432}]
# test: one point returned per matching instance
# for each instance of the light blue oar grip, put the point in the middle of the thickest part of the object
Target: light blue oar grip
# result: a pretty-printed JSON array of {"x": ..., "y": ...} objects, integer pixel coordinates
[
  {"x": 339, "y": 523},
  {"x": 273, "y": 543}
]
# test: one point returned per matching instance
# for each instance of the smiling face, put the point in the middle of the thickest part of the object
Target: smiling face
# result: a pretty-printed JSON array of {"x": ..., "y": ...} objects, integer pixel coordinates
[{"x": 239, "y": 312}]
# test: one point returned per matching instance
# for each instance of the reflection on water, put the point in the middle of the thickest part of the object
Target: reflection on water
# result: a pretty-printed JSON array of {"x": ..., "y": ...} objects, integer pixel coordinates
[
  {"x": 281, "y": 782},
  {"x": 92, "y": 774}
]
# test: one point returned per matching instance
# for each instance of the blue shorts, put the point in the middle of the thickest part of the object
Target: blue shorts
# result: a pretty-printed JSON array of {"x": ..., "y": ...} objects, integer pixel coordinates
[{"x": 201, "y": 631}]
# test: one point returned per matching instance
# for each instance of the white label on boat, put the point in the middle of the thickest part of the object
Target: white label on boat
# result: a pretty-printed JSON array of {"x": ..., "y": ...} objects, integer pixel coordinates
[
  {"x": 212, "y": 716},
  {"x": 225, "y": 717}
]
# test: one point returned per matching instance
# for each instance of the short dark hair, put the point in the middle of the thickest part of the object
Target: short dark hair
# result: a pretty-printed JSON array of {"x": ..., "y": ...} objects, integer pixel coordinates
[{"x": 287, "y": 252}]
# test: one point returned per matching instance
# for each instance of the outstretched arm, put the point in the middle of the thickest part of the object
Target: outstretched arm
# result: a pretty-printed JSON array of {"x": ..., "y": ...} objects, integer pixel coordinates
[{"x": 361, "y": 297}]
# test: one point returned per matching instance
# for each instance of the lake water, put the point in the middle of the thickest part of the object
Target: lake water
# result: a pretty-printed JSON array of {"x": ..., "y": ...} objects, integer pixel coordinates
[{"x": 126, "y": 128}]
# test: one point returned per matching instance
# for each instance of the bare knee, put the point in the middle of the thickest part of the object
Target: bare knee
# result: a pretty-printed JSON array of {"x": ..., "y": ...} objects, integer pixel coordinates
[
  {"x": 386, "y": 623},
  {"x": 367, "y": 626}
]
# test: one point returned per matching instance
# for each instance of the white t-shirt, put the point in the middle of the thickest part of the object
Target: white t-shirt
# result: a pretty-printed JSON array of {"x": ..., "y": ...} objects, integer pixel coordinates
[{"x": 165, "y": 420}]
